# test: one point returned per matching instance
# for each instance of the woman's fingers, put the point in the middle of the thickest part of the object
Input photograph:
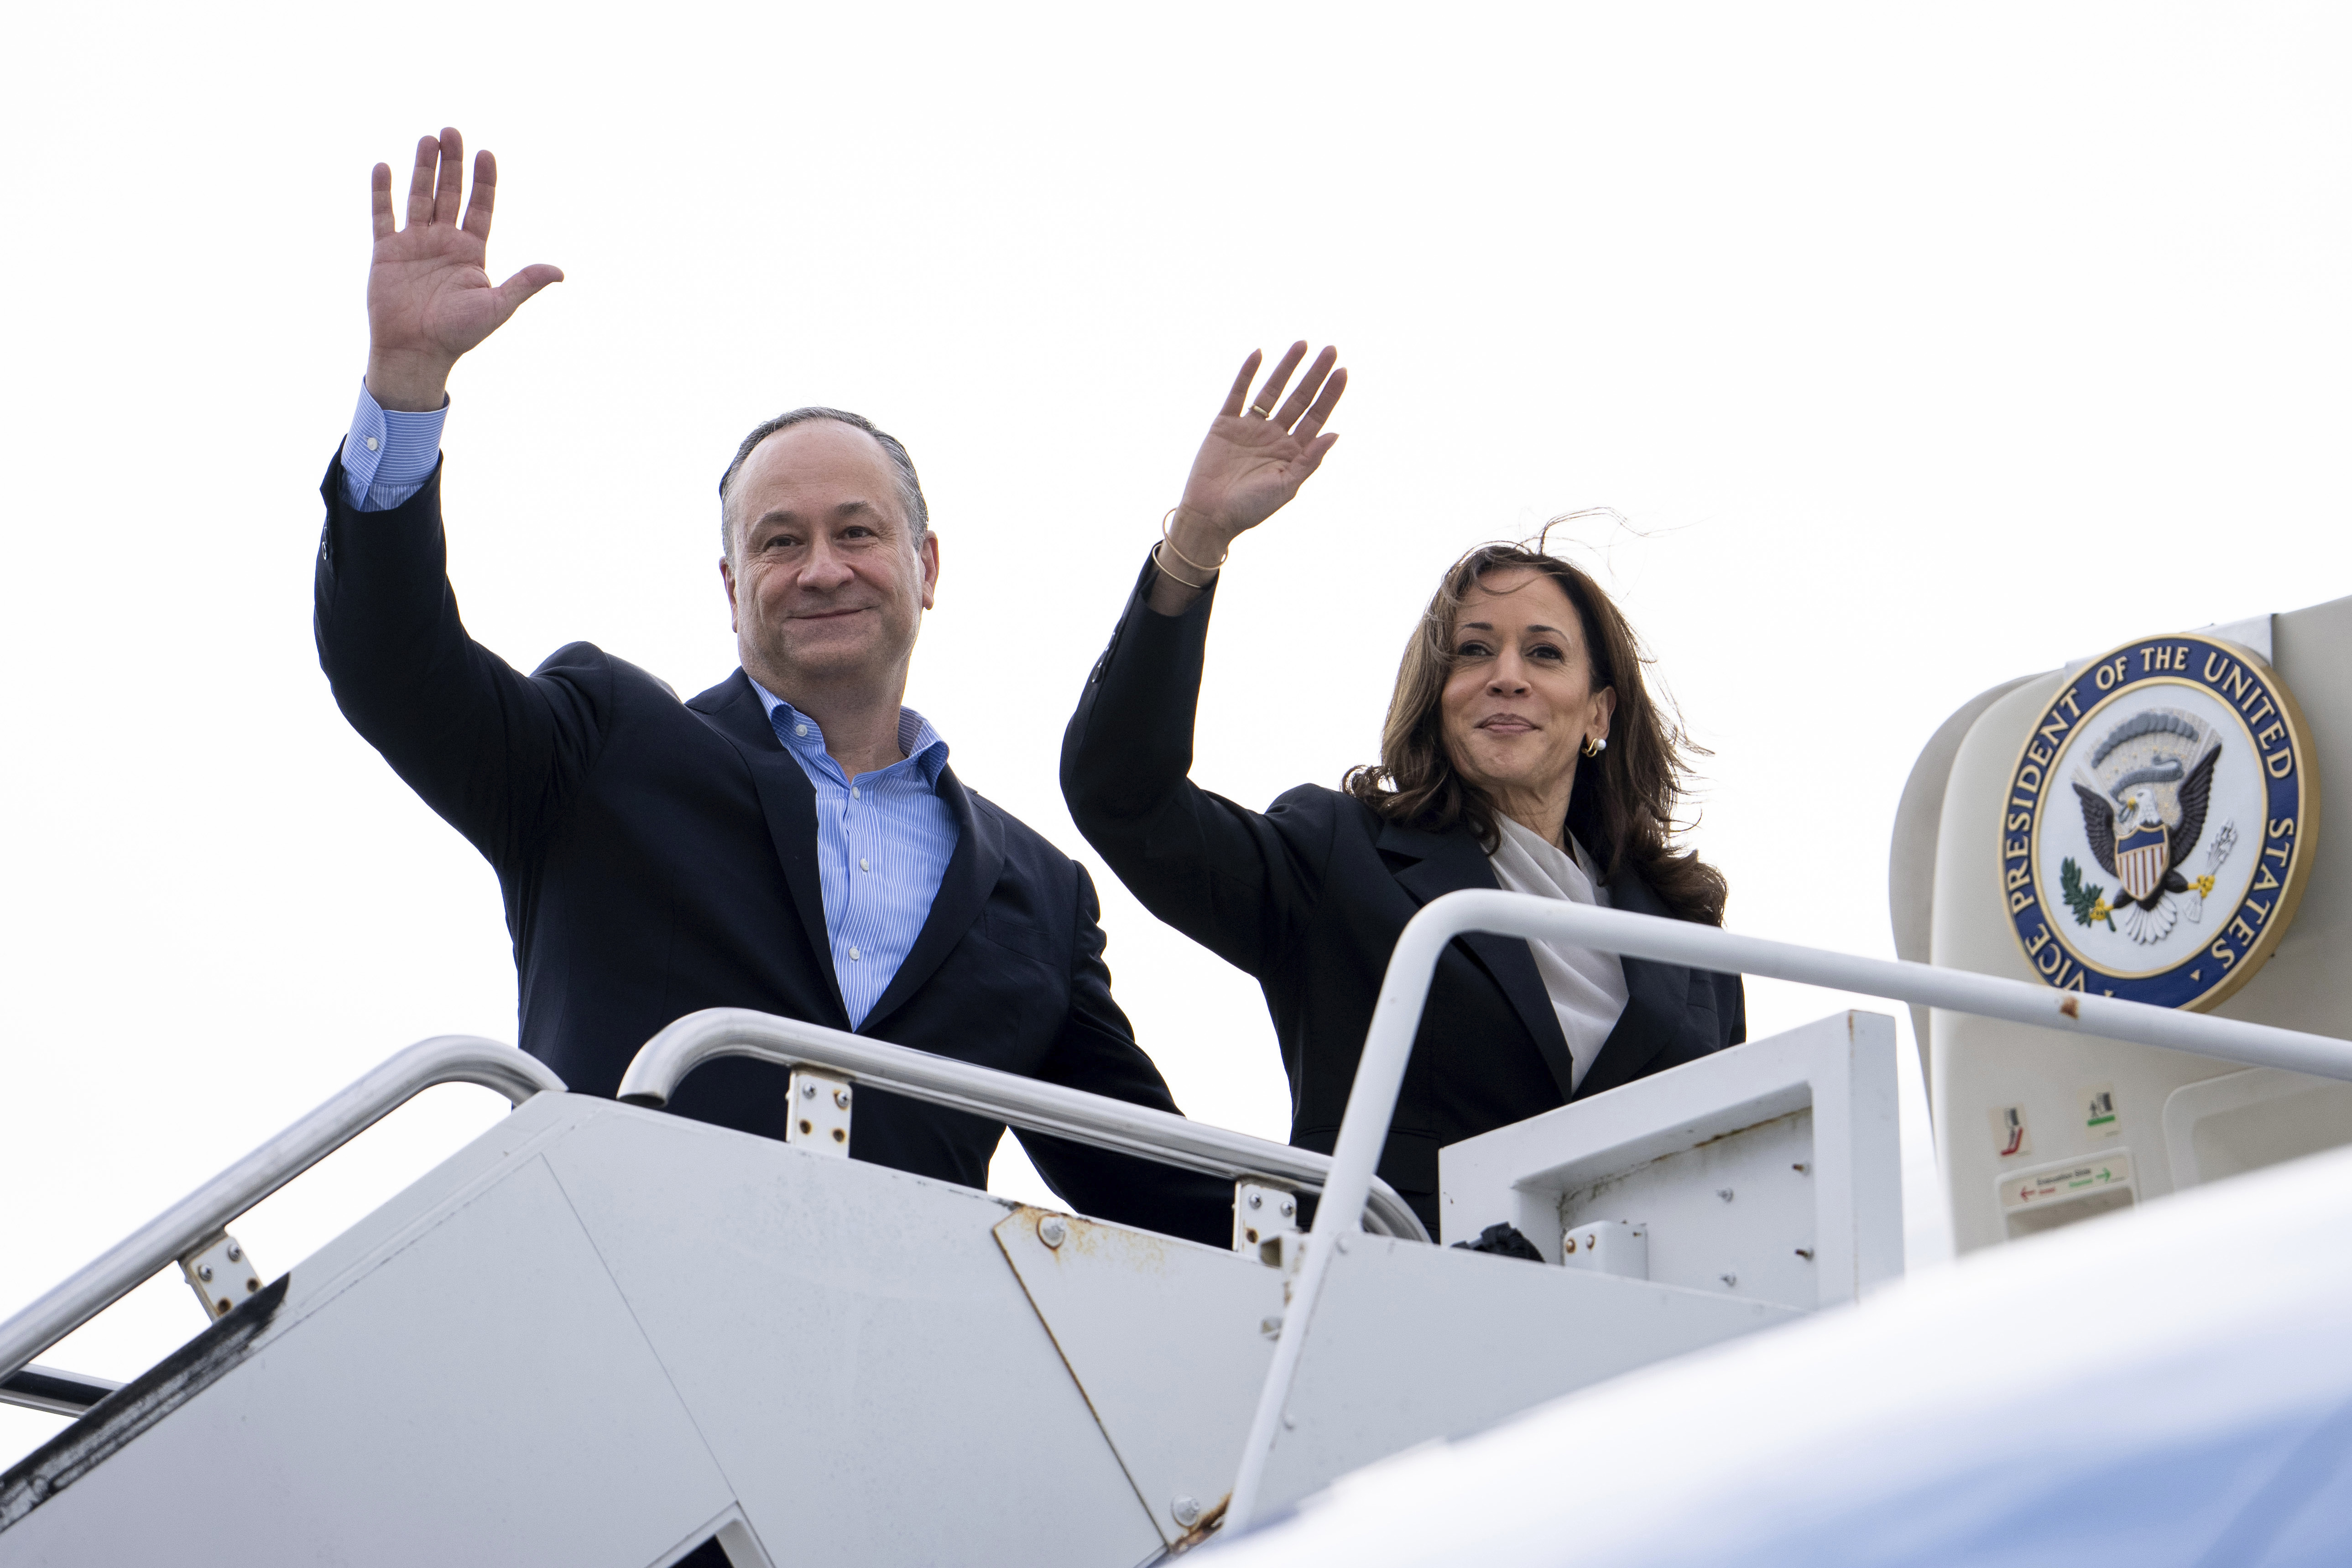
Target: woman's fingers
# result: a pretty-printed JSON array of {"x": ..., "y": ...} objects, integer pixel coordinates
[
  {"x": 420, "y": 182},
  {"x": 1235, "y": 398},
  {"x": 1313, "y": 383},
  {"x": 380, "y": 199},
  {"x": 1263, "y": 404},
  {"x": 1320, "y": 413},
  {"x": 486, "y": 185}
]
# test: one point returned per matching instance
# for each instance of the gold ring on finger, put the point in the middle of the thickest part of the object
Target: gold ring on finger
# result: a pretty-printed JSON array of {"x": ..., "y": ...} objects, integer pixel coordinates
[{"x": 1261, "y": 413}]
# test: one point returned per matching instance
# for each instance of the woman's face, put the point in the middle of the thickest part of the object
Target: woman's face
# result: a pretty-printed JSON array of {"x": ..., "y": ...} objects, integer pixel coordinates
[{"x": 1520, "y": 701}]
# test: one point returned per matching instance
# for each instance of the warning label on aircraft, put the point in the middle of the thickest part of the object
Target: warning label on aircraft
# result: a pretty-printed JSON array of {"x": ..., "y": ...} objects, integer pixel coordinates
[{"x": 2056, "y": 1184}]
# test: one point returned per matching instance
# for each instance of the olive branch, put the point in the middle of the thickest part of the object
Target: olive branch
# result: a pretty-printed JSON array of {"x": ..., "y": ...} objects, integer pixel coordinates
[{"x": 2088, "y": 900}]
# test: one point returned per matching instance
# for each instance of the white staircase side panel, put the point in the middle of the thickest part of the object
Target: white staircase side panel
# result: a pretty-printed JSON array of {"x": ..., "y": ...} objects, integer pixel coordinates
[
  {"x": 487, "y": 1396},
  {"x": 853, "y": 1348},
  {"x": 1413, "y": 1343},
  {"x": 1170, "y": 1341}
]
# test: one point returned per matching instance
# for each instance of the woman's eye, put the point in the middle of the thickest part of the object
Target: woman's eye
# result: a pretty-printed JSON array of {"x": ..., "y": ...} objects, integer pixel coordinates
[
  {"x": 1546, "y": 651},
  {"x": 1471, "y": 650}
]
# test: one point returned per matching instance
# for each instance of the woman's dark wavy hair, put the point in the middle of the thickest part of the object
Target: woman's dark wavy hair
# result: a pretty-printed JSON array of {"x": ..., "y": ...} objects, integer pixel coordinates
[{"x": 1622, "y": 808}]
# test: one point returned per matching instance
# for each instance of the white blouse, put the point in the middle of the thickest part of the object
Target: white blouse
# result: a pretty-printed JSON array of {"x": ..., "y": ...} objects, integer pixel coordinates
[{"x": 1587, "y": 988}]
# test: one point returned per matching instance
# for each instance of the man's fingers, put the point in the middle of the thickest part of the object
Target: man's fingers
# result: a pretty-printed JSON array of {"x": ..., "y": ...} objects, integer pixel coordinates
[
  {"x": 1320, "y": 415},
  {"x": 380, "y": 199},
  {"x": 1308, "y": 388},
  {"x": 1242, "y": 383},
  {"x": 420, "y": 182},
  {"x": 453, "y": 176},
  {"x": 523, "y": 285},
  {"x": 486, "y": 185},
  {"x": 1264, "y": 402}
]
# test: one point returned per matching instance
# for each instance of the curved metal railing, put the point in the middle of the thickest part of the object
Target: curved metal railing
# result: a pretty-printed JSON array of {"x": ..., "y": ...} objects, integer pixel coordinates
[
  {"x": 1404, "y": 991},
  {"x": 653, "y": 1076},
  {"x": 196, "y": 1219}
]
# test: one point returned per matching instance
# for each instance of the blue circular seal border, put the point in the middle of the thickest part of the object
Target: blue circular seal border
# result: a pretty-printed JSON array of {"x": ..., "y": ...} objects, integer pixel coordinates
[{"x": 2240, "y": 680}]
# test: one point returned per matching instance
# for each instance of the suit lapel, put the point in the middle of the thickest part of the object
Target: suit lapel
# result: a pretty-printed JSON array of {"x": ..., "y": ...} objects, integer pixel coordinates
[
  {"x": 788, "y": 802},
  {"x": 964, "y": 888},
  {"x": 1447, "y": 862},
  {"x": 1656, "y": 997}
]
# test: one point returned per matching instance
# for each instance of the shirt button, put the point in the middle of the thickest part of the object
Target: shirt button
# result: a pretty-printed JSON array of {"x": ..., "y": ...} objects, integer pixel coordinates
[
  {"x": 800, "y": 729},
  {"x": 854, "y": 791},
  {"x": 852, "y": 955},
  {"x": 862, "y": 865},
  {"x": 372, "y": 443}
]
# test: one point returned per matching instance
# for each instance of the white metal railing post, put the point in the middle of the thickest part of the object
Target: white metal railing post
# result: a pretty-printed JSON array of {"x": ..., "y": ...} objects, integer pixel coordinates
[{"x": 1404, "y": 991}]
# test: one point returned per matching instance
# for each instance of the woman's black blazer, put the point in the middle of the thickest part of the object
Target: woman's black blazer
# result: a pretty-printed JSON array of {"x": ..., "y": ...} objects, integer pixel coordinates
[{"x": 1311, "y": 896}]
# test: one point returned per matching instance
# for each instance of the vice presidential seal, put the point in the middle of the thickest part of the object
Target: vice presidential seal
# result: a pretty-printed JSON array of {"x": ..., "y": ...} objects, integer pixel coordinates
[{"x": 2160, "y": 824}]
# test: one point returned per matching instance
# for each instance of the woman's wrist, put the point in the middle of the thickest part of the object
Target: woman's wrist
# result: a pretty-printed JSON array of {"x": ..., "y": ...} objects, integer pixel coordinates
[
  {"x": 1191, "y": 539},
  {"x": 1185, "y": 562}
]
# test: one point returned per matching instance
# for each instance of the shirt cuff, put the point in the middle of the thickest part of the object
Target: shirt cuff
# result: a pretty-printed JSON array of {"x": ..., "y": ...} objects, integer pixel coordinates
[{"x": 389, "y": 454}]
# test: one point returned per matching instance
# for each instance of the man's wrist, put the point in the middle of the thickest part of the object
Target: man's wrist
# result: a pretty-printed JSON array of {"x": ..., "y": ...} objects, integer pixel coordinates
[{"x": 409, "y": 383}]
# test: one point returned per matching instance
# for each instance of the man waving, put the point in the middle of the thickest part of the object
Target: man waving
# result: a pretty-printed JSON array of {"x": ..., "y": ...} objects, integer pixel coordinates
[{"x": 791, "y": 840}]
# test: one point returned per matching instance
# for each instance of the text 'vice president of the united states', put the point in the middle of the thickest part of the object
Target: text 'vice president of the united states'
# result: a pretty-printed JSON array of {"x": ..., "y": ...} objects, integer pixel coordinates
[{"x": 791, "y": 840}]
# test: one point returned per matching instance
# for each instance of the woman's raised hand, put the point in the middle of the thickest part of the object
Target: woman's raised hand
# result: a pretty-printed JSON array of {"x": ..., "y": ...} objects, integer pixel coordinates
[
  {"x": 1256, "y": 455},
  {"x": 429, "y": 297}
]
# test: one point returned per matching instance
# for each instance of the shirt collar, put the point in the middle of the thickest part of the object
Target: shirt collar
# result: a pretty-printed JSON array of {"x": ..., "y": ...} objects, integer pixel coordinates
[{"x": 924, "y": 746}]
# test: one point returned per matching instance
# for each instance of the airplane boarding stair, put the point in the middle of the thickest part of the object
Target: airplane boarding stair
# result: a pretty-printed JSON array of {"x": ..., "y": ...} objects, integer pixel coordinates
[{"x": 600, "y": 1334}]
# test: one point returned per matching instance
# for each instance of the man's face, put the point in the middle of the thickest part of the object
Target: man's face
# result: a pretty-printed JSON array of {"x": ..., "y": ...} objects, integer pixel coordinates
[{"x": 828, "y": 581}]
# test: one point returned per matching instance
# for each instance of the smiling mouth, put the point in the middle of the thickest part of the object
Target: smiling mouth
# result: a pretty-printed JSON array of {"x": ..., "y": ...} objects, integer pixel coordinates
[{"x": 1506, "y": 725}]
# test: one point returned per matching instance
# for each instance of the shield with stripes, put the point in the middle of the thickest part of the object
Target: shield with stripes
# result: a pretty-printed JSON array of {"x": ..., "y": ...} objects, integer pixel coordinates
[{"x": 2141, "y": 861}]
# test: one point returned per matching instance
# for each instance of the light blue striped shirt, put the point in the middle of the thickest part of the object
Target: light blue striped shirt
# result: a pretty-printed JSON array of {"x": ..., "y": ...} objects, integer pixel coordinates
[
  {"x": 883, "y": 839},
  {"x": 389, "y": 455}
]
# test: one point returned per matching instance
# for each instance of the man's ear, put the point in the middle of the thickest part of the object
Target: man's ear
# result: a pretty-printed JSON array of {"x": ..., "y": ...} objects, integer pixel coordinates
[
  {"x": 926, "y": 553},
  {"x": 727, "y": 576}
]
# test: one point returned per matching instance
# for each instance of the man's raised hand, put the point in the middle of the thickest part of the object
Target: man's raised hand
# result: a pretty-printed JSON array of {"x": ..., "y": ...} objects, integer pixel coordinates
[{"x": 429, "y": 296}]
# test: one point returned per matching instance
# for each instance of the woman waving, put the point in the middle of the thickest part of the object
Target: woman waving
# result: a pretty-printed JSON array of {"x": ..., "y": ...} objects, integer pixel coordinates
[{"x": 1521, "y": 751}]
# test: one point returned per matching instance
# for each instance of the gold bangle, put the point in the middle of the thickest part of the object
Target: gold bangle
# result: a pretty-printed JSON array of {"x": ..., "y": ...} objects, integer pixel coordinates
[
  {"x": 1169, "y": 540},
  {"x": 1171, "y": 576}
]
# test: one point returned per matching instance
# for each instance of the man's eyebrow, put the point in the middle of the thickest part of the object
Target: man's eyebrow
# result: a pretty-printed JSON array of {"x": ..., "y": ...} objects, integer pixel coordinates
[{"x": 846, "y": 509}]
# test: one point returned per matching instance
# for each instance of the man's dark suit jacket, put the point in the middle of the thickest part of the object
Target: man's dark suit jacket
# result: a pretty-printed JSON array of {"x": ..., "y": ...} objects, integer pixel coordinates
[
  {"x": 1310, "y": 897},
  {"x": 658, "y": 858}
]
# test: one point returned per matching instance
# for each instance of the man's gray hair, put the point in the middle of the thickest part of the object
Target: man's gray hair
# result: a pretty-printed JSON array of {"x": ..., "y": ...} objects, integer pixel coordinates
[{"x": 911, "y": 487}]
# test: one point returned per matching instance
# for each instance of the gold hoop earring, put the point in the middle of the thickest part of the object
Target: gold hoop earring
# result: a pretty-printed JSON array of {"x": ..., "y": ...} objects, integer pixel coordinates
[{"x": 1595, "y": 745}]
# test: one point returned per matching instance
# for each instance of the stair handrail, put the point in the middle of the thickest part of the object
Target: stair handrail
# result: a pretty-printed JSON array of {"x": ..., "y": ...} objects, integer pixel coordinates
[
  {"x": 662, "y": 1062},
  {"x": 204, "y": 1214},
  {"x": 1404, "y": 992}
]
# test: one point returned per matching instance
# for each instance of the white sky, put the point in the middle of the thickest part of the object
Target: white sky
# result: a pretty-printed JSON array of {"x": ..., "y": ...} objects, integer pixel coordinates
[{"x": 1920, "y": 349}]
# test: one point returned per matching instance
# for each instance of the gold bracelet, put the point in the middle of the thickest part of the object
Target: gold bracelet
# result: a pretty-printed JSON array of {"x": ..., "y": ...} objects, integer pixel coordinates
[
  {"x": 1171, "y": 576},
  {"x": 1169, "y": 540}
]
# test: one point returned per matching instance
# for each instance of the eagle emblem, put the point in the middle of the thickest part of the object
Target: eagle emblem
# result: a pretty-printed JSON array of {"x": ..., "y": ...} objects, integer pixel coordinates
[
  {"x": 2158, "y": 829},
  {"x": 2144, "y": 804}
]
